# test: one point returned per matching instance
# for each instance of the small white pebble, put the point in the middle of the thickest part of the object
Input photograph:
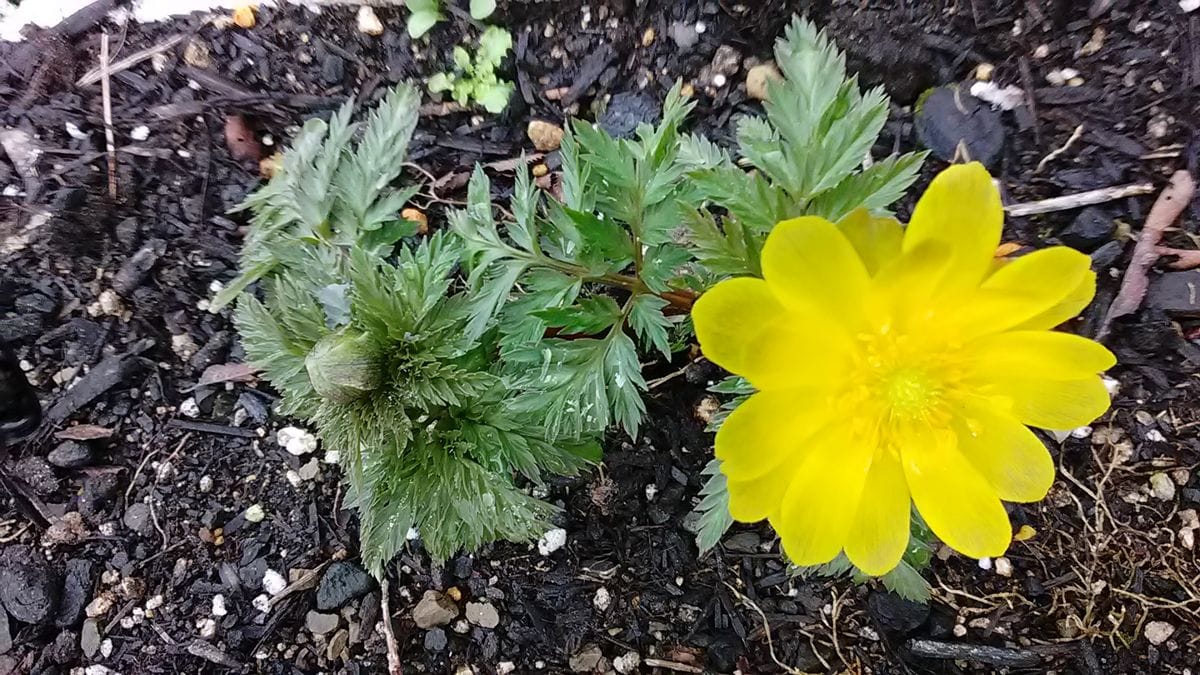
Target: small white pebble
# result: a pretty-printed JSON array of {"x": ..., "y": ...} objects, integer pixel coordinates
[
  {"x": 1004, "y": 567},
  {"x": 1189, "y": 6},
  {"x": 106, "y": 648},
  {"x": 208, "y": 628},
  {"x": 268, "y": 140},
  {"x": 75, "y": 132},
  {"x": 985, "y": 563},
  {"x": 701, "y": 27},
  {"x": 368, "y": 22},
  {"x": 1156, "y": 436},
  {"x": 261, "y": 603},
  {"x": 627, "y": 663},
  {"x": 602, "y": 599},
  {"x": 505, "y": 667},
  {"x": 1162, "y": 487},
  {"x": 255, "y": 513},
  {"x": 218, "y": 606},
  {"x": 332, "y": 457},
  {"x": 959, "y": 630},
  {"x": 154, "y": 603},
  {"x": 140, "y": 133},
  {"x": 651, "y": 492},
  {"x": 1112, "y": 385},
  {"x": 552, "y": 541},
  {"x": 718, "y": 80},
  {"x": 206, "y": 483},
  {"x": 293, "y": 478},
  {"x": 189, "y": 407},
  {"x": 679, "y": 581},
  {"x": 273, "y": 582},
  {"x": 215, "y": 286},
  {"x": 1158, "y": 632},
  {"x": 1081, "y": 432},
  {"x": 296, "y": 441},
  {"x": 413, "y": 534}
]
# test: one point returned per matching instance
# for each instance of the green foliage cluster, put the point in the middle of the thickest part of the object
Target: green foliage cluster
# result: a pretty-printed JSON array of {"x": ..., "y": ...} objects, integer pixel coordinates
[
  {"x": 474, "y": 79},
  {"x": 374, "y": 348},
  {"x": 425, "y": 14},
  {"x": 452, "y": 370}
]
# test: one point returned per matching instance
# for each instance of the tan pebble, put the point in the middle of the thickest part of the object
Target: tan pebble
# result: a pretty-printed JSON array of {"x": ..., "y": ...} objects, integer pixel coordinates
[
  {"x": 648, "y": 37},
  {"x": 540, "y": 170},
  {"x": 757, "y": 79},
  {"x": 243, "y": 17},
  {"x": 416, "y": 216},
  {"x": 546, "y": 136}
]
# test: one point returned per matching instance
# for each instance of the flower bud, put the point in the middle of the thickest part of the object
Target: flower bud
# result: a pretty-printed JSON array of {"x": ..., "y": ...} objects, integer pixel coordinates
[{"x": 343, "y": 367}]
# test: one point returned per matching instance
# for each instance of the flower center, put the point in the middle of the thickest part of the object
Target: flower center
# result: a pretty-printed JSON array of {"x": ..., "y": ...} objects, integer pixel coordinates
[
  {"x": 908, "y": 391},
  {"x": 903, "y": 379}
]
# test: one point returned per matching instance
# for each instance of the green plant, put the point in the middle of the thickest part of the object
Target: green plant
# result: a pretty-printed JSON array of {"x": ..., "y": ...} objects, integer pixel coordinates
[
  {"x": 482, "y": 9},
  {"x": 570, "y": 283},
  {"x": 423, "y": 15},
  {"x": 475, "y": 80},
  {"x": 373, "y": 346}
]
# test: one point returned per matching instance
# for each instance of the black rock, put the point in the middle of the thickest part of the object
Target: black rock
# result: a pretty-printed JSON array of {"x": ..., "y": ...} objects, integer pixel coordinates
[
  {"x": 35, "y": 302},
  {"x": 626, "y": 111},
  {"x": 342, "y": 583},
  {"x": 333, "y": 69},
  {"x": 64, "y": 650},
  {"x": 36, "y": 473},
  {"x": 71, "y": 455},
  {"x": 1107, "y": 255},
  {"x": 895, "y": 614},
  {"x": 76, "y": 593},
  {"x": 98, "y": 495},
  {"x": 949, "y": 116},
  {"x": 463, "y": 565},
  {"x": 20, "y": 327},
  {"x": 29, "y": 591},
  {"x": 723, "y": 653},
  {"x": 435, "y": 640},
  {"x": 5, "y": 634},
  {"x": 1091, "y": 229}
]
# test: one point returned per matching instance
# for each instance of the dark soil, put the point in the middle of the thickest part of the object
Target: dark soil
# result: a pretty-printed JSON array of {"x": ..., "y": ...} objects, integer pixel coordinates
[{"x": 103, "y": 299}]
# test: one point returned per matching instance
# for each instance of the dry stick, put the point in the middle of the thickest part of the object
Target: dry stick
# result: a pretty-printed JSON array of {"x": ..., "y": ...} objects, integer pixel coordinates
[
  {"x": 1170, "y": 203},
  {"x": 106, "y": 94},
  {"x": 1075, "y": 135},
  {"x": 393, "y": 647},
  {"x": 93, "y": 76},
  {"x": 1079, "y": 199},
  {"x": 766, "y": 629}
]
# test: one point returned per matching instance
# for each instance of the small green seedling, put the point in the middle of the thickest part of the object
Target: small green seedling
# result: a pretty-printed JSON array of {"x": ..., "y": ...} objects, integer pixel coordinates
[
  {"x": 475, "y": 81},
  {"x": 424, "y": 15}
]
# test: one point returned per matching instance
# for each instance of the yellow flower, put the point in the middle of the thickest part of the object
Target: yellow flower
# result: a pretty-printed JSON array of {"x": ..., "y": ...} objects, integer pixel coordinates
[{"x": 898, "y": 366}]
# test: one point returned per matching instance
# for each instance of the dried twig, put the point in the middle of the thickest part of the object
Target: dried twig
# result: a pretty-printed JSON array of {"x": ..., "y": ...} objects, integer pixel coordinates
[
  {"x": 1170, "y": 203},
  {"x": 673, "y": 665},
  {"x": 1075, "y": 135},
  {"x": 389, "y": 633},
  {"x": 106, "y": 95},
  {"x": 766, "y": 628},
  {"x": 93, "y": 76},
  {"x": 1079, "y": 199},
  {"x": 1000, "y": 657}
]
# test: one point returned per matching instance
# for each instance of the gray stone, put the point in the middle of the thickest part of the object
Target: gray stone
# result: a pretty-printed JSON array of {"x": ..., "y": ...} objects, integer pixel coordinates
[
  {"x": 434, "y": 609},
  {"x": 71, "y": 455},
  {"x": 76, "y": 590},
  {"x": 89, "y": 639},
  {"x": 36, "y": 473},
  {"x": 483, "y": 614},
  {"x": 5, "y": 635},
  {"x": 342, "y": 583},
  {"x": 138, "y": 518},
  {"x": 1176, "y": 293},
  {"x": 585, "y": 660},
  {"x": 321, "y": 624},
  {"x": 435, "y": 640},
  {"x": 1090, "y": 230},
  {"x": 948, "y": 117},
  {"x": 29, "y": 591}
]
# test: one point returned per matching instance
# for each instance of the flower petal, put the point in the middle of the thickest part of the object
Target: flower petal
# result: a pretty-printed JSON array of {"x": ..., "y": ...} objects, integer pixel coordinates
[
  {"x": 762, "y": 497},
  {"x": 820, "y": 504},
  {"x": 956, "y": 501},
  {"x": 880, "y": 532},
  {"x": 1041, "y": 353},
  {"x": 731, "y": 320},
  {"x": 1051, "y": 404},
  {"x": 901, "y": 294},
  {"x": 1012, "y": 459},
  {"x": 1068, "y": 308},
  {"x": 810, "y": 264},
  {"x": 1017, "y": 292},
  {"x": 961, "y": 208},
  {"x": 877, "y": 240},
  {"x": 766, "y": 429}
]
